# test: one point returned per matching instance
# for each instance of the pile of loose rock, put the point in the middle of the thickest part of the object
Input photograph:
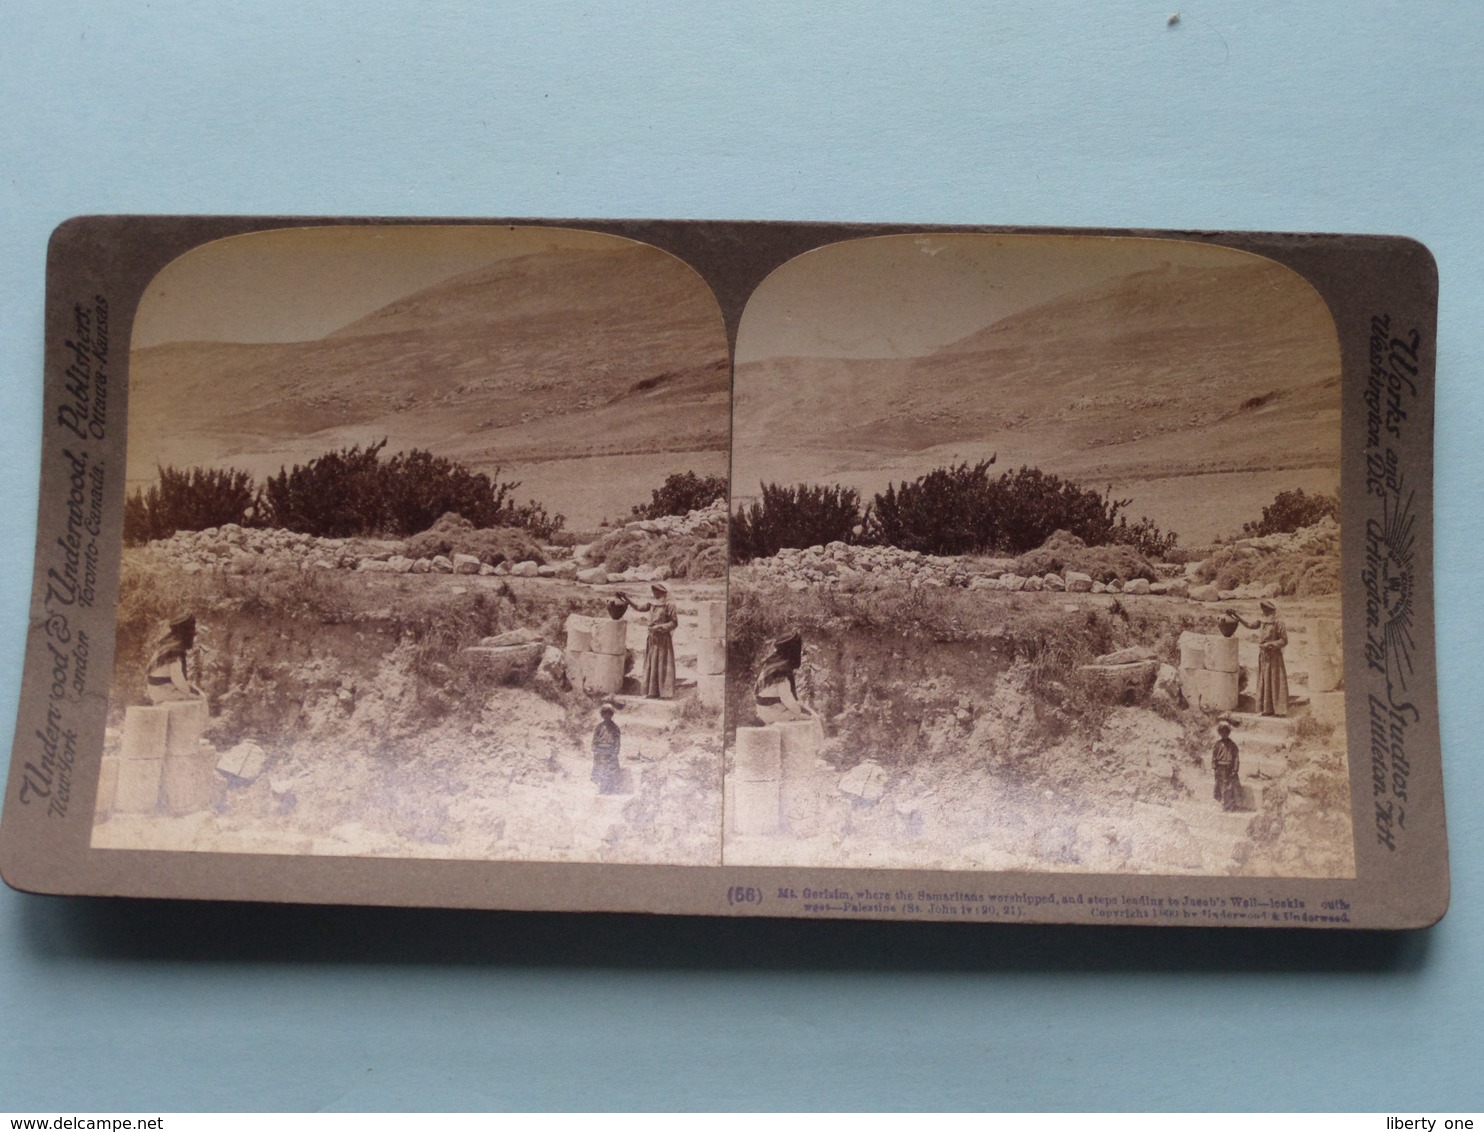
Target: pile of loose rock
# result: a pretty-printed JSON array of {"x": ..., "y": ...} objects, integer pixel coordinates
[
  {"x": 246, "y": 550},
  {"x": 1322, "y": 538},
  {"x": 708, "y": 522},
  {"x": 1264, "y": 558},
  {"x": 854, "y": 568}
]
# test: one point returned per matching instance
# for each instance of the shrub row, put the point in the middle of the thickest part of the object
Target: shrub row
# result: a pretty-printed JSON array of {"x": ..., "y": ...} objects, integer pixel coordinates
[
  {"x": 682, "y": 493},
  {"x": 349, "y": 492},
  {"x": 1292, "y": 511},
  {"x": 950, "y": 511}
]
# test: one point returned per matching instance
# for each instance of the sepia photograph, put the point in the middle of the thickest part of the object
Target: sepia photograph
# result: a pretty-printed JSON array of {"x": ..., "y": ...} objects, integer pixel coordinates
[
  {"x": 425, "y": 550},
  {"x": 1035, "y": 562}
]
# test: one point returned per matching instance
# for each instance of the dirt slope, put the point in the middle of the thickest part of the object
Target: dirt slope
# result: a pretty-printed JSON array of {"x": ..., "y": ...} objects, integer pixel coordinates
[
  {"x": 541, "y": 357},
  {"x": 1163, "y": 373}
]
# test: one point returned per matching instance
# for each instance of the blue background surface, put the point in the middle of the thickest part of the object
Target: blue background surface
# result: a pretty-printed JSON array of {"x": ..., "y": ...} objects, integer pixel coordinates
[{"x": 1362, "y": 117}]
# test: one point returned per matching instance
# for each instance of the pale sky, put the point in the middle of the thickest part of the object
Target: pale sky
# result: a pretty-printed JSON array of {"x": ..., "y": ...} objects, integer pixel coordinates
[
  {"x": 299, "y": 284},
  {"x": 906, "y": 296}
]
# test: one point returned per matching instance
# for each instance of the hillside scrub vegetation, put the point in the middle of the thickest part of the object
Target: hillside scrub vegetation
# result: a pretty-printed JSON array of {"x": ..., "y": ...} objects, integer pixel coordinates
[
  {"x": 1305, "y": 563},
  {"x": 878, "y": 663},
  {"x": 795, "y": 517},
  {"x": 453, "y": 534},
  {"x": 954, "y": 510},
  {"x": 189, "y": 500},
  {"x": 260, "y": 654},
  {"x": 689, "y": 556},
  {"x": 1292, "y": 511},
  {"x": 682, "y": 493},
  {"x": 350, "y": 492}
]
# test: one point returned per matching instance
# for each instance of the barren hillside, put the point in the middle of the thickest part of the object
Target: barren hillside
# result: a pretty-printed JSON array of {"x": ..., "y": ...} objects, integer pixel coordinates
[
  {"x": 1179, "y": 371},
  {"x": 535, "y": 360}
]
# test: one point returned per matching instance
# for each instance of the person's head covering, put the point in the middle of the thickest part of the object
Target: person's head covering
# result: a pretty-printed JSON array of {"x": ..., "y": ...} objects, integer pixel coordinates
[
  {"x": 174, "y": 640},
  {"x": 1223, "y": 728},
  {"x": 791, "y": 648},
  {"x": 177, "y": 631},
  {"x": 1267, "y": 607},
  {"x": 606, "y": 711},
  {"x": 658, "y": 590}
]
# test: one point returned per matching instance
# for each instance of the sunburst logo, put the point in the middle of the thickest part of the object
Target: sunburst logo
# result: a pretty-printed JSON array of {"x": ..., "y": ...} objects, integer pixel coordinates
[{"x": 1391, "y": 548}]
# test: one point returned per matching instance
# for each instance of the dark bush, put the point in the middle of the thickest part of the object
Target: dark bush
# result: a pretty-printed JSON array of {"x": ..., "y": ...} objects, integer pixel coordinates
[
  {"x": 420, "y": 487},
  {"x": 948, "y": 511},
  {"x": 1291, "y": 511},
  {"x": 189, "y": 501},
  {"x": 682, "y": 493},
  {"x": 962, "y": 510},
  {"x": 335, "y": 495},
  {"x": 354, "y": 492},
  {"x": 799, "y": 516}
]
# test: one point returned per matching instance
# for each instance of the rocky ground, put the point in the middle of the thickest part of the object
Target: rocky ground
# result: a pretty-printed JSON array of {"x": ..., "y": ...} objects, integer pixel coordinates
[
  {"x": 366, "y": 734},
  {"x": 1132, "y": 798},
  {"x": 1270, "y": 566},
  {"x": 973, "y": 726},
  {"x": 338, "y": 697},
  {"x": 238, "y": 550}
]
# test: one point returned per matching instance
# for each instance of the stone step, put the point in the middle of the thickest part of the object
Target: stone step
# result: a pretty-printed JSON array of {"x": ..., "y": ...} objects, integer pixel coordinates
[
  {"x": 1263, "y": 768},
  {"x": 1251, "y": 723},
  {"x": 1260, "y": 746},
  {"x": 654, "y": 716}
]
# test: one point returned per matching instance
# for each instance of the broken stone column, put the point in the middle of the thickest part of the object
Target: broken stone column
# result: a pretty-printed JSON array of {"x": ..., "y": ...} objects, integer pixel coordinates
[
  {"x": 244, "y": 762},
  {"x": 712, "y": 690},
  {"x": 138, "y": 788},
  {"x": 1326, "y": 655},
  {"x": 108, "y": 784},
  {"x": 712, "y": 618},
  {"x": 711, "y": 657},
  {"x": 603, "y": 672},
  {"x": 757, "y": 781},
  {"x": 144, "y": 732},
  {"x": 1192, "y": 650},
  {"x": 609, "y": 637},
  {"x": 187, "y": 722},
  {"x": 802, "y": 784},
  {"x": 579, "y": 648},
  {"x": 1209, "y": 670},
  {"x": 141, "y": 759},
  {"x": 579, "y": 633},
  {"x": 186, "y": 775},
  {"x": 186, "y": 784},
  {"x": 1214, "y": 691},
  {"x": 711, "y": 652}
]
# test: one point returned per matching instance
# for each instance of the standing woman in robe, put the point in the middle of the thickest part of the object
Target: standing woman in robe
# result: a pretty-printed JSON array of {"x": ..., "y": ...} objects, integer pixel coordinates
[
  {"x": 1272, "y": 673},
  {"x": 659, "y": 646},
  {"x": 167, "y": 679}
]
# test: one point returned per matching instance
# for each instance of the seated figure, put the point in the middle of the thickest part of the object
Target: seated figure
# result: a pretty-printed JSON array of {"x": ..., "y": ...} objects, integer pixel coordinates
[
  {"x": 775, "y": 694},
  {"x": 167, "y": 680}
]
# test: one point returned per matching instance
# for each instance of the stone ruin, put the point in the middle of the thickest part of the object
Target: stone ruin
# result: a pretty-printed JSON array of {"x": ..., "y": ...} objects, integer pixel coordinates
[
  {"x": 165, "y": 766},
  {"x": 1212, "y": 667},
  {"x": 602, "y": 650},
  {"x": 776, "y": 773}
]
